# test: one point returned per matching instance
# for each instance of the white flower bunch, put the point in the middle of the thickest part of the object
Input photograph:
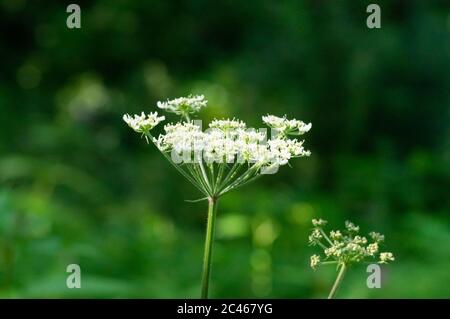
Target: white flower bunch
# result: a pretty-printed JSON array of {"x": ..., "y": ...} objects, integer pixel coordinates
[
  {"x": 225, "y": 156},
  {"x": 143, "y": 123},
  {"x": 227, "y": 141},
  {"x": 285, "y": 126},
  {"x": 184, "y": 105},
  {"x": 344, "y": 248}
]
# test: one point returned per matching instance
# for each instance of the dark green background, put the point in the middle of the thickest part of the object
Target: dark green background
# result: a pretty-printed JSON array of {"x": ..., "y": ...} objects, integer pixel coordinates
[{"x": 78, "y": 186}]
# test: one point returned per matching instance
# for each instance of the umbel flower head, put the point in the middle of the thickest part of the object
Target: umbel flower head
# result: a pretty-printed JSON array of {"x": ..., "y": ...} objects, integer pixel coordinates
[
  {"x": 345, "y": 247},
  {"x": 227, "y": 154}
]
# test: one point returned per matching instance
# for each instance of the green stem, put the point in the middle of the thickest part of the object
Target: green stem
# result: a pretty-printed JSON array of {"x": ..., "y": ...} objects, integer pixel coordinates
[
  {"x": 229, "y": 176},
  {"x": 338, "y": 281},
  {"x": 212, "y": 209},
  {"x": 205, "y": 176},
  {"x": 240, "y": 179},
  {"x": 326, "y": 237}
]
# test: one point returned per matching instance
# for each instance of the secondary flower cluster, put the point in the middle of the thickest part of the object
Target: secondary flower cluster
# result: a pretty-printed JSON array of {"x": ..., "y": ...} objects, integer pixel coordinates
[
  {"x": 184, "y": 105},
  {"x": 286, "y": 127},
  {"x": 143, "y": 123},
  {"x": 204, "y": 156},
  {"x": 346, "y": 246}
]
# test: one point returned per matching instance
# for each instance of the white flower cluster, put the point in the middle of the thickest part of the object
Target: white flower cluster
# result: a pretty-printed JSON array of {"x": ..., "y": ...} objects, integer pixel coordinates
[
  {"x": 184, "y": 105},
  {"x": 315, "y": 261},
  {"x": 386, "y": 257},
  {"x": 346, "y": 247},
  {"x": 228, "y": 125},
  {"x": 285, "y": 126},
  {"x": 143, "y": 123},
  {"x": 227, "y": 141},
  {"x": 203, "y": 157}
]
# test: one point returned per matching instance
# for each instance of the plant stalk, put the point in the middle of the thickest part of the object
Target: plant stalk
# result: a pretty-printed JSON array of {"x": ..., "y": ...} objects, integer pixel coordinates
[
  {"x": 338, "y": 281},
  {"x": 212, "y": 209}
]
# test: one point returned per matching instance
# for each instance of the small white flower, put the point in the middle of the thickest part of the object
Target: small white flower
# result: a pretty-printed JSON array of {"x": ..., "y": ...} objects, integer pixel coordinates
[
  {"x": 335, "y": 235},
  {"x": 386, "y": 257},
  {"x": 315, "y": 260},
  {"x": 275, "y": 121},
  {"x": 335, "y": 250},
  {"x": 184, "y": 105},
  {"x": 376, "y": 236},
  {"x": 286, "y": 127},
  {"x": 315, "y": 237},
  {"x": 372, "y": 249},
  {"x": 143, "y": 123},
  {"x": 353, "y": 247},
  {"x": 360, "y": 240},
  {"x": 300, "y": 126},
  {"x": 319, "y": 222},
  {"x": 279, "y": 151},
  {"x": 227, "y": 125},
  {"x": 351, "y": 227}
]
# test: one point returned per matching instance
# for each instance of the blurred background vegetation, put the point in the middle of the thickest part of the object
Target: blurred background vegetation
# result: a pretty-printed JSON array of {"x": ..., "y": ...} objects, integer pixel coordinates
[{"x": 78, "y": 186}]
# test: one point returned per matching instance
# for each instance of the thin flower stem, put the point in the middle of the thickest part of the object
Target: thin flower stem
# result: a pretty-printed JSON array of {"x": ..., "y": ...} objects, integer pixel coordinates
[
  {"x": 338, "y": 281},
  {"x": 322, "y": 245},
  {"x": 212, "y": 209},
  {"x": 205, "y": 176},
  {"x": 323, "y": 262},
  {"x": 196, "y": 177},
  {"x": 240, "y": 179},
  {"x": 326, "y": 237},
  {"x": 222, "y": 167},
  {"x": 242, "y": 183},
  {"x": 230, "y": 174},
  {"x": 199, "y": 174},
  {"x": 212, "y": 176}
]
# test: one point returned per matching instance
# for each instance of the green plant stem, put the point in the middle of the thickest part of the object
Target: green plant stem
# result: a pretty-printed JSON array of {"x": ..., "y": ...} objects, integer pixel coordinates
[
  {"x": 212, "y": 209},
  {"x": 338, "y": 281}
]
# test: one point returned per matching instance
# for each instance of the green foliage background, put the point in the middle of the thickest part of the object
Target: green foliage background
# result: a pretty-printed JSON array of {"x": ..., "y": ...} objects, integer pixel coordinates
[{"x": 78, "y": 186}]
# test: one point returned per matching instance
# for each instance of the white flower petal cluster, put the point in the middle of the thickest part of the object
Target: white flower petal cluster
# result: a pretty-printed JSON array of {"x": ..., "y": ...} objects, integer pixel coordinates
[
  {"x": 227, "y": 125},
  {"x": 319, "y": 222},
  {"x": 283, "y": 150},
  {"x": 315, "y": 261},
  {"x": 334, "y": 234},
  {"x": 285, "y": 126},
  {"x": 227, "y": 141},
  {"x": 377, "y": 237},
  {"x": 143, "y": 123},
  {"x": 184, "y": 105},
  {"x": 351, "y": 227},
  {"x": 315, "y": 237},
  {"x": 372, "y": 249},
  {"x": 386, "y": 257},
  {"x": 347, "y": 247}
]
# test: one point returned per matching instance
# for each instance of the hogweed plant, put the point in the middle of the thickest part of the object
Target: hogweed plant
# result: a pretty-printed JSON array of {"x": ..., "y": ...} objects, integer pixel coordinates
[
  {"x": 222, "y": 158},
  {"x": 345, "y": 248}
]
